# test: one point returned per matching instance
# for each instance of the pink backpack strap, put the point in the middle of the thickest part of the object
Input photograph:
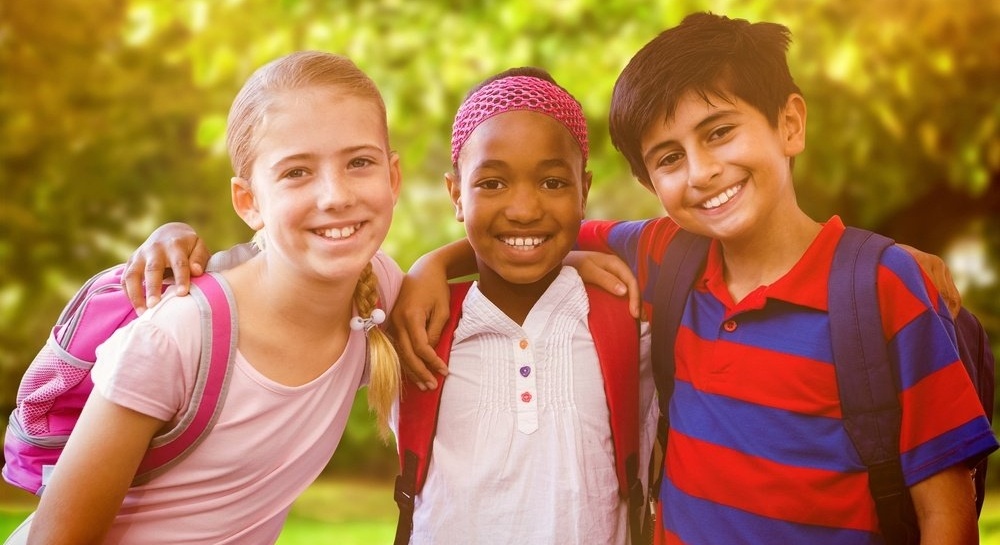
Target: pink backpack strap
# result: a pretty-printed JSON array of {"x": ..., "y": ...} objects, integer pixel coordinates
[
  {"x": 218, "y": 349},
  {"x": 616, "y": 338},
  {"x": 418, "y": 414}
]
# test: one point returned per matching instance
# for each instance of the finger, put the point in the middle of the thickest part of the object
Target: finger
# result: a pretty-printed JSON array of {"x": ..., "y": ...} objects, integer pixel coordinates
[
  {"x": 181, "y": 271},
  {"x": 953, "y": 297},
  {"x": 132, "y": 282},
  {"x": 634, "y": 297},
  {"x": 153, "y": 277},
  {"x": 413, "y": 366},
  {"x": 609, "y": 282},
  {"x": 199, "y": 258},
  {"x": 426, "y": 338}
]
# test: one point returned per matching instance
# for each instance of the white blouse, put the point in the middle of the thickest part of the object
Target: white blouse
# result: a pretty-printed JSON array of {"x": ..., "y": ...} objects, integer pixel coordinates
[{"x": 523, "y": 450}]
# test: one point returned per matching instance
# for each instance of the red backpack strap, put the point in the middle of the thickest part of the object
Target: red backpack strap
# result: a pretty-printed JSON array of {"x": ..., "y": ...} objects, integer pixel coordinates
[
  {"x": 616, "y": 337},
  {"x": 218, "y": 349},
  {"x": 418, "y": 413}
]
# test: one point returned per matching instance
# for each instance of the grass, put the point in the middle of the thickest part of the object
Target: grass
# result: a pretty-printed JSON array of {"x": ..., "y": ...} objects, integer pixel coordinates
[
  {"x": 330, "y": 512},
  {"x": 362, "y": 513}
]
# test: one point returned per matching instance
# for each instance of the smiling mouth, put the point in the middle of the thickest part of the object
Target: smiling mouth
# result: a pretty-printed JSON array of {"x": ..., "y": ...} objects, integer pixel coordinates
[
  {"x": 523, "y": 243},
  {"x": 722, "y": 198},
  {"x": 338, "y": 233}
]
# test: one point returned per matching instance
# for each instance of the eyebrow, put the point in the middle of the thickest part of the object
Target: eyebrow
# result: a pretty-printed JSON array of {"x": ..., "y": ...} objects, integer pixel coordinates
[
  {"x": 312, "y": 156},
  {"x": 545, "y": 163},
  {"x": 714, "y": 117}
]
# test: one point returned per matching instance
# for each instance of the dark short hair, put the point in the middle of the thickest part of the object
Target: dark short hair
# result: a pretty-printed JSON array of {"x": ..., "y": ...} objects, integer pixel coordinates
[{"x": 709, "y": 54}]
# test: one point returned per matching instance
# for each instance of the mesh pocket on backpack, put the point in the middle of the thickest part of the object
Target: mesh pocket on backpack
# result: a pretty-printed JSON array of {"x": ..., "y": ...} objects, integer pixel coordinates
[{"x": 50, "y": 388}]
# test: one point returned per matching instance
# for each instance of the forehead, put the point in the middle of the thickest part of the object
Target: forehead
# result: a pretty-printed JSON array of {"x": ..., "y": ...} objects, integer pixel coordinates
[
  {"x": 316, "y": 117},
  {"x": 691, "y": 109},
  {"x": 521, "y": 137}
]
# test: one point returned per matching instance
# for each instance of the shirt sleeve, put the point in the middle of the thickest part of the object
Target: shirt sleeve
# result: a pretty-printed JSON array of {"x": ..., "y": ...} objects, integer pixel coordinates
[
  {"x": 227, "y": 259},
  {"x": 390, "y": 279},
  {"x": 150, "y": 365},
  {"x": 943, "y": 423},
  {"x": 641, "y": 244}
]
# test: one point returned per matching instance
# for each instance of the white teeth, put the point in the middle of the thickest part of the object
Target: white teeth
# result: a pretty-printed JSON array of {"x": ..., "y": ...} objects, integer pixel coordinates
[
  {"x": 722, "y": 198},
  {"x": 522, "y": 242},
  {"x": 340, "y": 233}
]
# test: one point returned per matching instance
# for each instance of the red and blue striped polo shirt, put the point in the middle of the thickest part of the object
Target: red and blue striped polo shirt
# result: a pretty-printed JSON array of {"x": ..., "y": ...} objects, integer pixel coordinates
[{"x": 757, "y": 452}]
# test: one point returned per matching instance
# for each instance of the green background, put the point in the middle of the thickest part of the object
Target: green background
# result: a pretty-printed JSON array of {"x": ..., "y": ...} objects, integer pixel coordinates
[{"x": 112, "y": 115}]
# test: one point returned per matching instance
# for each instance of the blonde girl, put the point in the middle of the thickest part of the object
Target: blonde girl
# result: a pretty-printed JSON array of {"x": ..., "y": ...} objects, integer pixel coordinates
[{"x": 317, "y": 181}]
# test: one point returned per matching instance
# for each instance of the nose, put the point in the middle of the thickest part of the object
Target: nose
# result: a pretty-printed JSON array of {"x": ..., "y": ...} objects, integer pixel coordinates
[
  {"x": 334, "y": 192},
  {"x": 702, "y": 166},
  {"x": 524, "y": 205}
]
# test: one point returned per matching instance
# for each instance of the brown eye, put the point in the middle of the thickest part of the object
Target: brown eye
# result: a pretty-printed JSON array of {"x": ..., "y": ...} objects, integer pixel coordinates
[
  {"x": 490, "y": 183},
  {"x": 720, "y": 132},
  {"x": 670, "y": 158},
  {"x": 554, "y": 183},
  {"x": 360, "y": 162}
]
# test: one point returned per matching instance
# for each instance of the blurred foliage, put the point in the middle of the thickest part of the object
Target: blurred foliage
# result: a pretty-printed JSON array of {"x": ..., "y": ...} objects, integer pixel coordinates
[{"x": 112, "y": 115}]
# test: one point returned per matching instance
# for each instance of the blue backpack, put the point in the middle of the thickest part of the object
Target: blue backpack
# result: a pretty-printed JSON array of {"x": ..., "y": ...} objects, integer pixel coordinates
[{"x": 868, "y": 396}]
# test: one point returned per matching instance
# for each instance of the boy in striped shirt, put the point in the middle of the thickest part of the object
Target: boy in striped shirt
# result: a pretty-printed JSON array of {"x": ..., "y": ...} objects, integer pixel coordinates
[{"x": 710, "y": 120}]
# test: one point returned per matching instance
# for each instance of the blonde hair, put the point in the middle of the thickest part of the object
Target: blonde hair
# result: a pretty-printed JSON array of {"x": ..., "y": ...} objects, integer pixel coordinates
[
  {"x": 298, "y": 70},
  {"x": 301, "y": 70},
  {"x": 385, "y": 376}
]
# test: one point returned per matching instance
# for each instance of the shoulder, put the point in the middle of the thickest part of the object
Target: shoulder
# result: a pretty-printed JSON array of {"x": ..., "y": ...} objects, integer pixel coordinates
[
  {"x": 149, "y": 365},
  {"x": 617, "y": 229},
  {"x": 900, "y": 275},
  {"x": 390, "y": 277}
]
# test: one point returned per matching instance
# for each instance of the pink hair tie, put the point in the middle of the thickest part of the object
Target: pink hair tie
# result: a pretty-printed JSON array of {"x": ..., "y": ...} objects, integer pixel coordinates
[{"x": 518, "y": 93}]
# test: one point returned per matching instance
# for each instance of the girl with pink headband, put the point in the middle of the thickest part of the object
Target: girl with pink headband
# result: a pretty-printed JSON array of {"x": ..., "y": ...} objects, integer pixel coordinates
[{"x": 543, "y": 425}]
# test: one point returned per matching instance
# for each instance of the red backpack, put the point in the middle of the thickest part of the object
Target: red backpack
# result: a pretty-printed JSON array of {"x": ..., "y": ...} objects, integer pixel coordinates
[
  {"x": 616, "y": 337},
  {"x": 57, "y": 383}
]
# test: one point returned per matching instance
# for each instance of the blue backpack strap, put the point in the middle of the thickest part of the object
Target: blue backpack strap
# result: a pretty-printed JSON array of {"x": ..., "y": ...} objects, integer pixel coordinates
[
  {"x": 418, "y": 414},
  {"x": 682, "y": 264},
  {"x": 868, "y": 394},
  {"x": 218, "y": 333},
  {"x": 616, "y": 339}
]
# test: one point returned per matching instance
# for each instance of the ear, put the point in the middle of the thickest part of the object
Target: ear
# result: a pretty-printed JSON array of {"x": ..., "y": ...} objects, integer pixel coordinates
[
  {"x": 454, "y": 184},
  {"x": 395, "y": 176},
  {"x": 792, "y": 123},
  {"x": 245, "y": 203},
  {"x": 588, "y": 177}
]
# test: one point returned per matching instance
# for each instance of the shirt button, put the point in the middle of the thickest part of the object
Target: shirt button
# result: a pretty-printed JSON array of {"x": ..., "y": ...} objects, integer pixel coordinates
[
  {"x": 523, "y": 344},
  {"x": 729, "y": 326},
  {"x": 526, "y": 397},
  {"x": 525, "y": 371}
]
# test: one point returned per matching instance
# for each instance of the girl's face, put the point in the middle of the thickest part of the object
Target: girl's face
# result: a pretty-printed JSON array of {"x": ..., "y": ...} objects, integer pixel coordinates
[
  {"x": 522, "y": 195},
  {"x": 323, "y": 183}
]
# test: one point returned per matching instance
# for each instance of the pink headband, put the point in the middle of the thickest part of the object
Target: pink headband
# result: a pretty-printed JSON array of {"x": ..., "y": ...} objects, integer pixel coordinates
[{"x": 518, "y": 93}]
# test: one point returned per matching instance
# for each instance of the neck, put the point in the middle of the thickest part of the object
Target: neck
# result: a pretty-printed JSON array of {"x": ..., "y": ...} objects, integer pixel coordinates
[
  {"x": 514, "y": 300},
  {"x": 768, "y": 255},
  {"x": 291, "y": 300}
]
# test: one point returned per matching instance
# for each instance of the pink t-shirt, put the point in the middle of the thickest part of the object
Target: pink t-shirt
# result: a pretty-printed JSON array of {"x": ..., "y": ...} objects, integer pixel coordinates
[{"x": 268, "y": 444}]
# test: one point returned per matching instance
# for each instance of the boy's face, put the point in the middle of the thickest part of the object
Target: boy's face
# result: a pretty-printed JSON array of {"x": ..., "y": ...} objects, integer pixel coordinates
[
  {"x": 522, "y": 195},
  {"x": 720, "y": 168}
]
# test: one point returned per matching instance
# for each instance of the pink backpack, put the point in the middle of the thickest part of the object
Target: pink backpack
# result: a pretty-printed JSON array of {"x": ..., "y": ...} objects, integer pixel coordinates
[{"x": 57, "y": 383}]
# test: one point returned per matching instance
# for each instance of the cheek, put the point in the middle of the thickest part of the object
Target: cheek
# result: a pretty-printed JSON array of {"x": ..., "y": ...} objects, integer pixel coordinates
[{"x": 670, "y": 192}]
